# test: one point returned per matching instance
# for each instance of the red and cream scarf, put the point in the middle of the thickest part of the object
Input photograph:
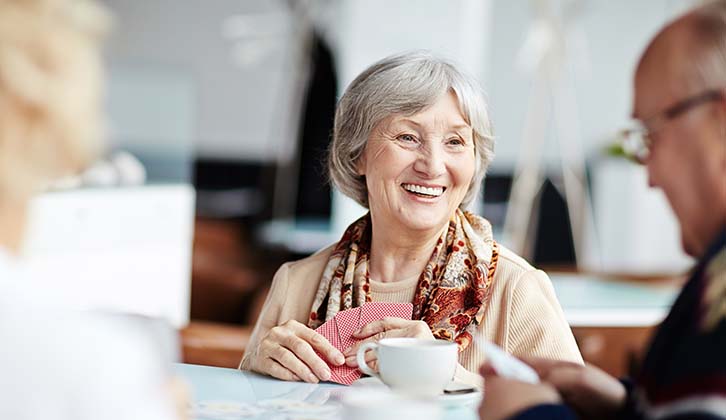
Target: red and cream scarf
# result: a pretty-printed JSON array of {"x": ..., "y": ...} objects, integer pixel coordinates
[{"x": 452, "y": 292}]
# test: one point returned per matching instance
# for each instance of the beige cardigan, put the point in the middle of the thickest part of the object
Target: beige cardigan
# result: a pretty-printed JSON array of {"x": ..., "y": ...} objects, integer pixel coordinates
[{"x": 523, "y": 316}]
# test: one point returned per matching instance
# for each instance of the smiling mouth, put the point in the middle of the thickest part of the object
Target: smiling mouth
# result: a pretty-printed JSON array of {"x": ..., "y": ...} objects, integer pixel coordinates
[{"x": 422, "y": 191}]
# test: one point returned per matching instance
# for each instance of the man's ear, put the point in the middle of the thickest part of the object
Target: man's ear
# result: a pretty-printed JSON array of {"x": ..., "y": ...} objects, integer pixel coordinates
[
  {"x": 722, "y": 102},
  {"x": 722, "y": 114}
]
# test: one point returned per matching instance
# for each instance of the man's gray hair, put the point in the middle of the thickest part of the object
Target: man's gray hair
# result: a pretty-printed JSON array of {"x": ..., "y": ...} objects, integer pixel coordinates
[
  {"x": 403, "y": 84},
  {"x": 707, "y": 24}
]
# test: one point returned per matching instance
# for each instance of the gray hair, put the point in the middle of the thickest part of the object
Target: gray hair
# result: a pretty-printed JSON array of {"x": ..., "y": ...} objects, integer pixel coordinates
[
  {"x": 707, "y": 25},
  {"x": 403, "y": 84}
]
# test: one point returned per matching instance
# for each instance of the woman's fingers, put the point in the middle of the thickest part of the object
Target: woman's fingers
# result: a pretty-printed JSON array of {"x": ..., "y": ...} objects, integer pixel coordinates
[
  {"x": 290, "y": 361},
  {"x": 387, "y": 328},
  {"x": 299, "y": 341},
  {"x": 288, "y": 346},
  {"x": 351, "y": 352},
  {"x": 371, "y": 361},
  {"x": 370, "y": 357},
  {"x": 275, "y": 369},
  {"x": 321, "y": 344},
  {"x": 385, "y": 324},
  {"x": 307, "y": 355}
]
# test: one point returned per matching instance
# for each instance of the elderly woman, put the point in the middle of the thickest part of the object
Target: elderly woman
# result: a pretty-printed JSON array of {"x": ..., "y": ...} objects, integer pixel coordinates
[
  {"x": 412, "y": 141},
  {"x": 57, "y": 363}
]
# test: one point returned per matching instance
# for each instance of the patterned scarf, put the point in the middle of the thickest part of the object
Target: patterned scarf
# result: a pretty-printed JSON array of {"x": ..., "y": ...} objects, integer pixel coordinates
[{"x": 453, "y": 289}]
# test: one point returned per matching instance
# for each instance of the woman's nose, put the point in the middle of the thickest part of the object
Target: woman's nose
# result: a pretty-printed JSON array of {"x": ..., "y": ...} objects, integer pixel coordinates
[{"x": 431, "y": 162}]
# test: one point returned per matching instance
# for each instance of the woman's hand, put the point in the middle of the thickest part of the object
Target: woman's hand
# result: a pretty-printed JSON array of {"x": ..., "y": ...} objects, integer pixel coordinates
[
  {"x": 386, "y": 328},
  {"x": 588, "y": 390},
  {"x": 287, "y": 352}
]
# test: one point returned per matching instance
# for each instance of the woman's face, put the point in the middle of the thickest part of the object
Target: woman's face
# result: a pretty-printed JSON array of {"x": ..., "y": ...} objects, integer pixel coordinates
[{"x": 418, "y": 168}]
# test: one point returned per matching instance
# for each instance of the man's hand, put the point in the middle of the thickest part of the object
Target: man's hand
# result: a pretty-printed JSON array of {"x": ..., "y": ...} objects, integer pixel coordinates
[
  {"x": 588, "y": 390},
  {"x": 504, "y": 398}
]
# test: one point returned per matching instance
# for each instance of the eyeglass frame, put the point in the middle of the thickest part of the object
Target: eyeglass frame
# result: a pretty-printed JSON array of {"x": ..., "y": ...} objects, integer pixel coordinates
[{"x": 643, "y": 127}]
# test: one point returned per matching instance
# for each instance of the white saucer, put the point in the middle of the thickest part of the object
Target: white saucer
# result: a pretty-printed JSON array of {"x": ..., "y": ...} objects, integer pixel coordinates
[{"x": 468, "y": 399}]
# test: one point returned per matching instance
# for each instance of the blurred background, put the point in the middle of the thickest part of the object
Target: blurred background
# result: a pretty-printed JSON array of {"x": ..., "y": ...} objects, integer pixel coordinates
[{"x": 220, "y": 112}]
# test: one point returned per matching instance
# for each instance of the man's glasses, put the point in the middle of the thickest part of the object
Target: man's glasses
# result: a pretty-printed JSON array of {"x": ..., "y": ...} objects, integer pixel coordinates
[{"x": 636, "y": 141}]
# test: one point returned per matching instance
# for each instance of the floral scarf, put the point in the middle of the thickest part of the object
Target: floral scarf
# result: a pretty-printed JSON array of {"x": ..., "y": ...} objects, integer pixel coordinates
[{"x": 453, "y": 289}]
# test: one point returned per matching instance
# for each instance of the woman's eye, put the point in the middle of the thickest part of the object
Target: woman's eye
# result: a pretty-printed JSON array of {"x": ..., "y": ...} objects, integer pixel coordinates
[
  {"x": 456, "y": 141},
  {"x": 407, "y": 138}
]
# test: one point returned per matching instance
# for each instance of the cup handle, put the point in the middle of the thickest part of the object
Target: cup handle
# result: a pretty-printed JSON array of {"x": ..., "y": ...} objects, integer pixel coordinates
[{"x": 361, "y": 358}]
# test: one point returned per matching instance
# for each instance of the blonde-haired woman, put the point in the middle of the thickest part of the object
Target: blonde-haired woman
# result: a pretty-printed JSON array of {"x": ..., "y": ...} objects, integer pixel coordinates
[{"x": 58, "y": 364}]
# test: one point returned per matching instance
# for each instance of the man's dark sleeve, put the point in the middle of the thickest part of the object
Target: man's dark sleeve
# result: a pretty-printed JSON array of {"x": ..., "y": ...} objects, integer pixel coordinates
[{"x": 546, "y": 412}]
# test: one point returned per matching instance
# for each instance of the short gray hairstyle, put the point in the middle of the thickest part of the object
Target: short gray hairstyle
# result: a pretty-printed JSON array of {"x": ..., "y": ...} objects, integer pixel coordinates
[{"x": 403, "y": 84}]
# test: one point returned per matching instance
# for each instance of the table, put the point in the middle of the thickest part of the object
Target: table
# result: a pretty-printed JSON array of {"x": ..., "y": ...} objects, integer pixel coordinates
[
  {"x": 210, "y": 384},
  {"x": 595, "y": 301},
  {"x": 613, "y": 319}
]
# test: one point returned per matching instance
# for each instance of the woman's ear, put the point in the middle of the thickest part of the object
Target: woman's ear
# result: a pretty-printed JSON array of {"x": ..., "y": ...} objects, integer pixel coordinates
[{"x": 360, "y": 164}]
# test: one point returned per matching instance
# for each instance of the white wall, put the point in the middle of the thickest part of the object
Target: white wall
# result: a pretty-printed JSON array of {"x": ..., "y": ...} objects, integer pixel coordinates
[
  {"x": 237, "y": 108},
  {"x": 616, "y": 32},
  {"x": 486, "y": 37},
  {"x": 243, "y": 112},
  {"x": 371, "y": 30}
]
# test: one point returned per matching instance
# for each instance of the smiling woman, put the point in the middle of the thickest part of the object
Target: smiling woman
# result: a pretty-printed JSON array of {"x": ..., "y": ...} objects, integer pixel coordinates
[
  {"x": 418, "y": 168},
  {"x": 412, "y": 141}
]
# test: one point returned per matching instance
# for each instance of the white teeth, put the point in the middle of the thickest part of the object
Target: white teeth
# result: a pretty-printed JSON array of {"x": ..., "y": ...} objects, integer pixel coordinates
[{"x": 420, "y": 189}]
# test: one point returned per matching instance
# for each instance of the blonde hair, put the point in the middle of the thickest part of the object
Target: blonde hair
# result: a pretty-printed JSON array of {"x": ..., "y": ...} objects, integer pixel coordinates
[
  {"x": 50, "y": 85},
  {"x": 403, "y": 84}
]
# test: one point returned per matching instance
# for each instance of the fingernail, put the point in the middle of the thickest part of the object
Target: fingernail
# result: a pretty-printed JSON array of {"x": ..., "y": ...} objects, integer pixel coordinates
[
  {"x": 339, "y": 359},
  {"x": 313, "y": 379},
  {"x": 351, "y": 362},
  {"x": 326, "y": 375}
]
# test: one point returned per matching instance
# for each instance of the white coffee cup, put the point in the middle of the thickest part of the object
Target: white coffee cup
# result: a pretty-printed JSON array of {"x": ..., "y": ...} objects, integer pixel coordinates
[{"x": 412, "y": 366}]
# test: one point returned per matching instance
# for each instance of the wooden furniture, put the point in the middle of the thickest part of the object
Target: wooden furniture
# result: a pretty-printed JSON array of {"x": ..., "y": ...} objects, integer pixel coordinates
[
  {"x": 616, "y": 350},
  {"x": 213, "y": 344},
  {"x": 226, "y": 278}
]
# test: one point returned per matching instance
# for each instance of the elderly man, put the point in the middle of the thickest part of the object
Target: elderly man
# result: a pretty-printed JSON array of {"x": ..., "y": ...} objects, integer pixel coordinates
[{"x": 680, "y": 109}]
